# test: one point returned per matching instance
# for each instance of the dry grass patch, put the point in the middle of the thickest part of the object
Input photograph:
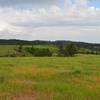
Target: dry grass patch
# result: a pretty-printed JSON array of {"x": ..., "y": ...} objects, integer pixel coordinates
[
  {"x": 33, "y": 70},
  {"x": 29, "y": 95}
]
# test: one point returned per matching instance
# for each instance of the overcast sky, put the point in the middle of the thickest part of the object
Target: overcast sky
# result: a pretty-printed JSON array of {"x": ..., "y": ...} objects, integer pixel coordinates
[{"x": 77, "y": 20}]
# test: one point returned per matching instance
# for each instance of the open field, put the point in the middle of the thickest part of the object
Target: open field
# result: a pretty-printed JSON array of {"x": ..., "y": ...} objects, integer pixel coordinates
[{"x": 55, "y": 78}]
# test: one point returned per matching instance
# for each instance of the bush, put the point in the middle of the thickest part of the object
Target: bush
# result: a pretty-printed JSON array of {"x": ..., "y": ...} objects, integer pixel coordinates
[
  {"x": 60, "y": 50},
  {"x": 30, "y": 50},
  {"x": 42, "y": 52},
  {"x": 92, "y": 52},
  {"x": 38, "y": 52},
  {"x": 12, "y": 54},
  {"x": 16, "y": 54},
  {"x": 20, "y": 48}
]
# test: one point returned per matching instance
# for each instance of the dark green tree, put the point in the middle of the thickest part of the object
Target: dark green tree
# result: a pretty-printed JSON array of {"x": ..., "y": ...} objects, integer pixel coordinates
[{"x": 70, "y": 50}]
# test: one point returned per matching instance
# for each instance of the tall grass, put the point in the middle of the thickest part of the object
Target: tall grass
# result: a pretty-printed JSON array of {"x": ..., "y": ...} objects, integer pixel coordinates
[{"x": 54, "y": 78}]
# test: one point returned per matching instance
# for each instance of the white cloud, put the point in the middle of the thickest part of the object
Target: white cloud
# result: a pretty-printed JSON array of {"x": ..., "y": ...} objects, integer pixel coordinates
[{"x": 73, "y": 21}]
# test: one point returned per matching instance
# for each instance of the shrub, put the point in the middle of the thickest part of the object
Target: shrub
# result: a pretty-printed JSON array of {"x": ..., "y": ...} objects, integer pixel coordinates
[
  {"x": 42, "y": 52},
  {"x": 16, "y": 54},
  {"x": 20, "y": 48},
  {"x": 30, "y": 50},
  {"x": 60, "y": 50}
]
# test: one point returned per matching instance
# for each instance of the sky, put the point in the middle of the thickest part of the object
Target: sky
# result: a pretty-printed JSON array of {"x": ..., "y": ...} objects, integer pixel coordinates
[{"x": 76, "y": 20}]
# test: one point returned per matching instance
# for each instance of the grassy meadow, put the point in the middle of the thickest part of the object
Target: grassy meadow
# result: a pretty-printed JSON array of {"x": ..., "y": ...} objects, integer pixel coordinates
[{"x": 50, "y": 78}]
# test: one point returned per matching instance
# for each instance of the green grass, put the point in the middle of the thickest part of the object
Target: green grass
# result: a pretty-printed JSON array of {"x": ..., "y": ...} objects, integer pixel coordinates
[{"x": 50, "y": 78}]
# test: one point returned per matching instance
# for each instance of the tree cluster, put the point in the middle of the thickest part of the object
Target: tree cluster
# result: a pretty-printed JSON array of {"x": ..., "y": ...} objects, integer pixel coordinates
[{"x": 68, "y": 50}]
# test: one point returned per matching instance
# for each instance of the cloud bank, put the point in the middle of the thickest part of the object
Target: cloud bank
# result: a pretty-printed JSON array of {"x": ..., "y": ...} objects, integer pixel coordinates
[{"x": 69, "y": 19}]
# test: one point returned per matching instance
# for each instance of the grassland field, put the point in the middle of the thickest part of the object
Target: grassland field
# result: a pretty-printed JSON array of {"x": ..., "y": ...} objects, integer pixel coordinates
[{"x": 50, "y": 78}]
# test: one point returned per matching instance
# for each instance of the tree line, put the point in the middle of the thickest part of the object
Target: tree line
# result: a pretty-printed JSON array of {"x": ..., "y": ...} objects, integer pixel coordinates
[
  {"x": 92, "y": 46},
  {"x": 63, "y": 51},
  {"x": 69, "y": 50},
  {"x": 64, "y": 48}
]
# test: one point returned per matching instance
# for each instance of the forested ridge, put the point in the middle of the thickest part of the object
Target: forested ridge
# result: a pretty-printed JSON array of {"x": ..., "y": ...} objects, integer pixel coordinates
[{"x": 93, "y": 46}]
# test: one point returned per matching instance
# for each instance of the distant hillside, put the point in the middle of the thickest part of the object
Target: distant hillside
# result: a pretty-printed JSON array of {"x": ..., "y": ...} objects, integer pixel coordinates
[{"x": 92, "y": 46}]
